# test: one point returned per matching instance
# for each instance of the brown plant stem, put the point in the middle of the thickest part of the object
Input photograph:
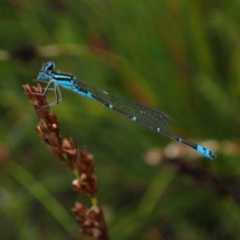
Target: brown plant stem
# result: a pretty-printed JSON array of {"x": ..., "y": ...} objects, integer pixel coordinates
[{"x": 91, "y": 220}]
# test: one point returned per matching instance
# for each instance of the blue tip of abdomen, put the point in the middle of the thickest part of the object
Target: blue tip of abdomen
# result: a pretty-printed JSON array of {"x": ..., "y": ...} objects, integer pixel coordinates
[{"x": 205, "y": 152}]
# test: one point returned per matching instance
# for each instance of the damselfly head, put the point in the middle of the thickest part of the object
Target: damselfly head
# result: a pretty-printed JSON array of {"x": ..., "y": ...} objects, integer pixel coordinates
[
  {"x": 46, "y": 70},
  {"x": 48, "y": 67},
  {"x": 42, "y": 76}
]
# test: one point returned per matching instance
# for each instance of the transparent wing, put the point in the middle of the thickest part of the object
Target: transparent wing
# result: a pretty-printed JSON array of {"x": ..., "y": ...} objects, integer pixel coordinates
[{"x": 149, "y": 117}]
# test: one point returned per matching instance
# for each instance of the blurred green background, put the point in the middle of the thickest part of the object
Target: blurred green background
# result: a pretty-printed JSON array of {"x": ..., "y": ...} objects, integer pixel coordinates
[{"x": 182, "y": 57}]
